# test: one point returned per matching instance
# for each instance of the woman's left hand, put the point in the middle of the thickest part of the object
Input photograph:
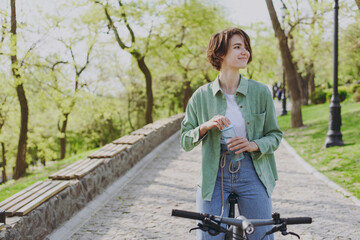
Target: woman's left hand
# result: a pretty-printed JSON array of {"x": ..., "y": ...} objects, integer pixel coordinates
[{"x": 242, "y": 144}]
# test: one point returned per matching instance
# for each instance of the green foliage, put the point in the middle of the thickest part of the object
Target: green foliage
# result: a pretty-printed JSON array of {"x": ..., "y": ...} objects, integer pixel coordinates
[
  {"x": 318, "y": 97},
  {"x": 181, "y": 59},
  {"x": 356, "y": 96},
  {"x": 349, "y": 68},
  {"x": 342, "y": 95},
  {"x": 265, "y": 65},
  {"x": 355, "y": 88},
  {"x": 340, "y": 164}
]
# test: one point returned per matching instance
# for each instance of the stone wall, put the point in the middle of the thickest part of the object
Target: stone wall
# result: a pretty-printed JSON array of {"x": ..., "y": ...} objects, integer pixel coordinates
[{"x": 48, "y": 216}]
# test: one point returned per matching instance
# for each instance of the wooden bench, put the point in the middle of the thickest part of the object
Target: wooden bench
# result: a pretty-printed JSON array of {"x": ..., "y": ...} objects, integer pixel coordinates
[
  {"x": 143, "y": 131},
  {"x": 154, "y": 125},
  {"x": 31, "y": 197},
  {"x": 108, "y": 151},
  {"x": 128, "y": 139},
  {"x": 77, "y": 170}
]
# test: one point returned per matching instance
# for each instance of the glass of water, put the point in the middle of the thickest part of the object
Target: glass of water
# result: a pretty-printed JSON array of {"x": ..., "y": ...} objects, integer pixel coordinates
[{"x": 227, "y": 134}]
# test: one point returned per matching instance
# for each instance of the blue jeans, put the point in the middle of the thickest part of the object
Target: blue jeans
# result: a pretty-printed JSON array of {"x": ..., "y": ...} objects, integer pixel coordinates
[{"x": 253, "y": 200}]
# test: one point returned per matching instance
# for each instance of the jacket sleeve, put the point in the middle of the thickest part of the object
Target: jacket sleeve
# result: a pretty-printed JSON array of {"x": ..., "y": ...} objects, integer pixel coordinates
[
  {"x": 190, "y": 135},
  {"x": 272, "y": 133}
]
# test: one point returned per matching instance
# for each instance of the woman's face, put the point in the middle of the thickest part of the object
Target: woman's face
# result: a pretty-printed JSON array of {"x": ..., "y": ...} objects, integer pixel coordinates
[{"x": 237, "y": 56}]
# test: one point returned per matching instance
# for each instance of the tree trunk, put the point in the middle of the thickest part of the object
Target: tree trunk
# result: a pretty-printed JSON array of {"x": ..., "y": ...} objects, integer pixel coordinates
[
  {"x": 358, "y": 3},
  {"x": 63, "y": 135},
  {"x": 291, "y": 74},
  {"x": 305, "y": 90},
  {"x": 149, "y": 93},
  {"x": 302, "y": 85},
  {"x": 187, "y": 94},
  {"x": 21, "y": 165},
  {"x": 4, "y": 176},
  {"x": 311, "y": 79},
  {"x": 187, "y": 90},
  {"x": 128, "y": 113}
]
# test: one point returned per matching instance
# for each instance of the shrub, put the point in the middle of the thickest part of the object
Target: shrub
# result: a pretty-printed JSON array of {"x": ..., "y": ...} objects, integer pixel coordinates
[
  {"x": 342, "y": 95},
  {"x": 328, "y": 95},
  {"x": 318, "y": 97},
  {"x": 355, "y": 88},
  {"x": 356, "y": 96}
]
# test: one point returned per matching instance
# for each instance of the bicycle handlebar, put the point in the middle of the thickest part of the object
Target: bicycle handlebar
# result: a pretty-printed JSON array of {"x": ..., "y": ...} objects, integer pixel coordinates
[
  {"x": 190, "y": 215},
  {"x": 247, "y": 225},
  {"x": 297, "y": 220},
  {"x": 238, "y": 222}
]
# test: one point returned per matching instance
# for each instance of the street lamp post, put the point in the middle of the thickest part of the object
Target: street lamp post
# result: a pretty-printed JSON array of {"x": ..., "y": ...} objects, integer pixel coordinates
[
  {"x": 334, "y": 136},
  {"x": 284, "y": 112}
]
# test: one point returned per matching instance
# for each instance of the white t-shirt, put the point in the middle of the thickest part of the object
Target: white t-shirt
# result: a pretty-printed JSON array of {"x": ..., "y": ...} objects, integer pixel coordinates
[{"x": 234, "y": 114}]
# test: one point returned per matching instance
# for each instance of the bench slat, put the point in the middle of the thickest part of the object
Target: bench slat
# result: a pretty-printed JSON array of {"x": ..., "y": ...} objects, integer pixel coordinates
[
  {"x": 24, "y": 196},
  {"x": 62, "y": 171},
  {"x": 78, "y": 169},
  {"x": 153, "y": 126},
  {"x": 70, "y": 171},
  {"x": 53, "y": 191},
  {"x": 71, "y": 174},
  {"x": 128, "y": 139},
  {"x": 108, "y": 151},
  {"x": 94, "y": 164},
  {"x": 11, "y": 211},
  {"x": 18, "y": 194},
  {"x": 143, "y": 131}
]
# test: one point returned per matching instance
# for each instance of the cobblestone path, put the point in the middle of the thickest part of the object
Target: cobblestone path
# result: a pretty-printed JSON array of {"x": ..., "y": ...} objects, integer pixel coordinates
[{"x": 142, "y": 208}]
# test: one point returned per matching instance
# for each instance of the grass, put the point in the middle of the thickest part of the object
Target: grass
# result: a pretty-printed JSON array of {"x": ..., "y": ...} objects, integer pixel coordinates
[
  {"x": 39, "y": 173},
  {"x": 340, "y": 164}
]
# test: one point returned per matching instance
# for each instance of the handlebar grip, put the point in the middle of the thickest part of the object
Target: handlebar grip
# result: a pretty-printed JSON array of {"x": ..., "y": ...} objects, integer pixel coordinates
[
  {"x": 298, "y": 220},
  {"x": 187, "y": 214}
]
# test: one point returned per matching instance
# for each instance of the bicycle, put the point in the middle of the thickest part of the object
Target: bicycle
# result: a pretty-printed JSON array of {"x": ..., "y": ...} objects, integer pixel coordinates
[{"x": 240, "y": 226}]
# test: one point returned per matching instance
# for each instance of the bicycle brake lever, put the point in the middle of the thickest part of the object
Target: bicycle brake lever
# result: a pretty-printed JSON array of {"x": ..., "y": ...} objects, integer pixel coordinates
[
  {"x": 201, "y": 227},
  {"x": 276, "y": 228},
  {"x": 209, "y": 226},
  {"x": 291, "y": 233},
  {"x": 196, "y": 228}
]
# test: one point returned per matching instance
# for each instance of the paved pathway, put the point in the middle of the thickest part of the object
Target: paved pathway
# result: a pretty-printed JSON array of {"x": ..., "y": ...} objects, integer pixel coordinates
[{"x": 140, "y": 207}]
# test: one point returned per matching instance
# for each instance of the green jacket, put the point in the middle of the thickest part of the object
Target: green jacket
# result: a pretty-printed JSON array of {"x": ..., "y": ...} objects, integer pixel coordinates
[{"x": 256, "y": 105}]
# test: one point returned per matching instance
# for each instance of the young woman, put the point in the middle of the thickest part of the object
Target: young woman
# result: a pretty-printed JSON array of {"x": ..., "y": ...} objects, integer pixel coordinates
[{"x": 248, "y": 106}]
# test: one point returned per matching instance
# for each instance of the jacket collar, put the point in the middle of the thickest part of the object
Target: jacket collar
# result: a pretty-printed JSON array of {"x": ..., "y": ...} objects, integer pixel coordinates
[{"x": 242, "y": 88}]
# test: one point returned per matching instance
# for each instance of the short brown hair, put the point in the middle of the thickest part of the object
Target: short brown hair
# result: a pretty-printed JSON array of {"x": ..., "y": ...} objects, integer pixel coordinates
[{"x": 219, "y": 42}]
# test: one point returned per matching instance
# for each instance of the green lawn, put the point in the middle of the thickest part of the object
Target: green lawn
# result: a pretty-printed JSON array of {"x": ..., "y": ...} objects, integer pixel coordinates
[
  {"x": 38, "y": 174},
  {"x": 340, "y": 164}
]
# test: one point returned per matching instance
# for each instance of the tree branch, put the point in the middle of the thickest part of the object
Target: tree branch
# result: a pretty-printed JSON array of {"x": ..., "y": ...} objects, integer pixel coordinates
[
  {"x": 112, "y": 27},
  {"x": 148, "y": 38},
  {"x": 57, "y": 63},
  {"x": 28, "y": 52},
  {"x": 87, "y": 58},
  {"x": 179, "y": 45},
  {"x": 123, "y": 14}
]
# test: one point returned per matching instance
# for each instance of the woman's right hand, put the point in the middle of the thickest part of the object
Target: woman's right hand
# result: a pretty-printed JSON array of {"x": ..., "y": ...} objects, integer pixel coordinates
[{"x": 217, "y": 121}]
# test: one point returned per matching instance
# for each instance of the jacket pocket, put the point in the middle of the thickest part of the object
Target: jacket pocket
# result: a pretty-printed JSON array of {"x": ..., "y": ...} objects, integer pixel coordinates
[{"x": 259, "y": 121}]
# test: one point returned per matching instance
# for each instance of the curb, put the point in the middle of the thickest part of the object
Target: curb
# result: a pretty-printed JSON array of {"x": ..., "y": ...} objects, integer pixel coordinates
[{"x": 319, "y": 175}]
